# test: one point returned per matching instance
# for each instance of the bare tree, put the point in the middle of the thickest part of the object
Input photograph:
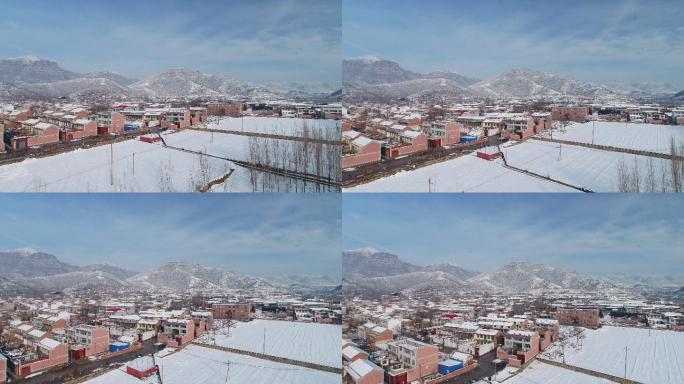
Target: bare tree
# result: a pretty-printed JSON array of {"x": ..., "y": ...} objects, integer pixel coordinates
[{"x": 166, "y": 177}]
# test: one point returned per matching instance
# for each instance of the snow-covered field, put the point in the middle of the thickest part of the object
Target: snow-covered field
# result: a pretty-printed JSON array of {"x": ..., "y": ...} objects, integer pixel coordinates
[
  {"x": 579, "y": 166},
  {"x": 196, "y": 364},
  {"x": 539, "y": 372},
  {"x": 149, "y": 167},
  {"x": 88, "y": 170},
  {"x": 236, "y": 147},
  {"x": 309, "y": 342},
  {"x": 593, "y": 169},
  {"x": 652, "y": 356},
  {"x": 274, "y": 125},
  {"x": 464, "y": 174},
  {"x": 645, "y": 137}
]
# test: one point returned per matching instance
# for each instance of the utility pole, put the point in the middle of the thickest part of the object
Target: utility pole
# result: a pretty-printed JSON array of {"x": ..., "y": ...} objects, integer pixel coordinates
[
  {"x": 133, "y": 163},
  {"x": 625, "y": 362},
  {"x": 111, "y": 164},
  {"x": 227, "y": 370},
  {"x": 264, "y": 345}
]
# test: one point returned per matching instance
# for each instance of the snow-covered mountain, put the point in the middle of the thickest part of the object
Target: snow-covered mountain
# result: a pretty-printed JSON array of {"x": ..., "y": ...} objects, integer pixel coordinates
[
  {"x": 529, "y": 83},
  {"x": 403, "y": 282},
  {"x": 111, "y": 269},
  {"x": 184, "y": 82},
  {"x": 679, "y": 96},
  {"x": 373, "y": 271},
  {"x": 31, "y": 69},
  {"x": 368, "y": 271},
  {"x": 373, "y": 70},
  {"x": 301, "y": 89},
  {"x": 371, "y": 78},
  {"x": 528, "y": 277},
  {"x": 369, "y": 262},
  {"x": 27, "y": 262},
  {"x": 637, "y": 89},
  {"x": 109, "y": 75},
  {"x": 374, "y": 79},
  {"x": 35, "y": 78},
  {"x": 303, "y": 281},
  {"x": 73, "y": 280},
  {"x": 182, "y": 276},
  {"x": 80, "y": 87},
  {"x": 28, "y": 270}
]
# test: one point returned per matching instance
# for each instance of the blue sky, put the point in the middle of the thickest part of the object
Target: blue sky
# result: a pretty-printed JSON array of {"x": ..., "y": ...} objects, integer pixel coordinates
[
  {"x": 599, "y": 234},
  {"x": 281, "y": 40},
  {"x": 248, "y": 233},
  {"x": 598, "y": 41}
]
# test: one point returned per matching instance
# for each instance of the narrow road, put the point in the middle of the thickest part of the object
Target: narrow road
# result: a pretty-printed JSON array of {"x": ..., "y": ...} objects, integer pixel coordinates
[
  {"x": 370, "y": 172},
  {"x": 485, "y": 369},
  {"x": 85, "y": 367}
]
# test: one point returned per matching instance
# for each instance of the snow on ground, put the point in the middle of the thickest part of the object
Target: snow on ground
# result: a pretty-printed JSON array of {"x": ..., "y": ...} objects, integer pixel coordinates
[
  {"x": 652, "y": 356},
  {"x": 579, "y": 166},
  {"x": 88, "y": 170},
  {"x": 645, "y": 137},
  {"x": 273, "y": 125},
  {"x": 539, "y": 372},
  {"x": 309, "y": 342},
  {"x": 463, "y": 174},
  {"x": 195, "y": 364}
]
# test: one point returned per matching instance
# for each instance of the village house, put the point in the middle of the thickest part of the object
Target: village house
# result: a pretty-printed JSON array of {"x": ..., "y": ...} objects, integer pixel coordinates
[
  {"x": 148, "y": 325},
  {"x": 461, "y": 331},
  {"x": 33, "y": 132},
  {"x": 487, "y": 336},
  {"x": 48, "y": 353},
  {"x": 447, "y": 132},
  {"x": 87, "y": 340},
  {"x": 176, "y": 332},
  {"x": 579, "y": 316},
  {"x": 360, "y": 150},
  {"x": 518, "y": 128},
  {"x": 363, "y": 371},
  {"x": 548, "y": 330},
  {"x": 110, "y": 122},
  {"x": 233, "y": 311},
  {"x": 519, "y": 347},
  {"x": 78, "y": 129},
  {"x": 576, "y": 114},
  {"x": 3, "y": 368},
  {"x": 225, "y": 109},
  {"x": 351, "y": 353},
  {"x": 204, "y": 321},
  {"x": 678, "y": 115},
  {"x": 418, "y": 359},
  {"x": 374, "y": 334},
  {"x": 410, "y": 142},
  {"x": 141, "y": 367}
]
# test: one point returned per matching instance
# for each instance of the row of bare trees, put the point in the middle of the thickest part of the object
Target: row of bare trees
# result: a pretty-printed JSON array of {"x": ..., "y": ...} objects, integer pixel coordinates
[
  {"x": 310, "y": 157},
  {"x": 657, "y": 176}
]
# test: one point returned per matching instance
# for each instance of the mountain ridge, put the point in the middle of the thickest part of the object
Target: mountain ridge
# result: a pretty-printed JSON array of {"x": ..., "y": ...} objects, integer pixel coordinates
[
  {"x": 375, "y": 79},
  {"x": 36, "y": 78}
]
